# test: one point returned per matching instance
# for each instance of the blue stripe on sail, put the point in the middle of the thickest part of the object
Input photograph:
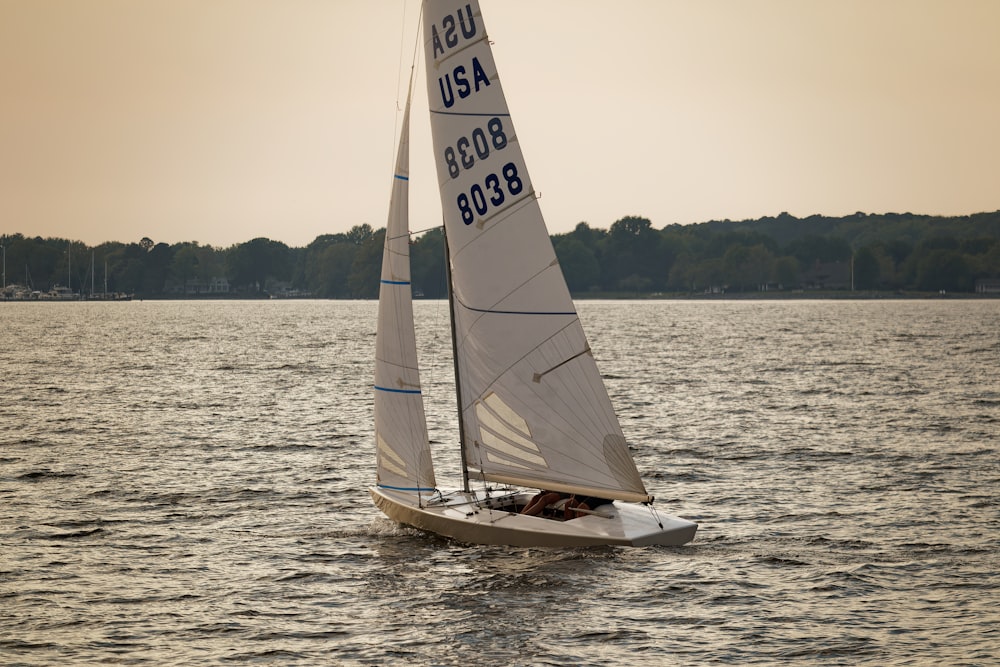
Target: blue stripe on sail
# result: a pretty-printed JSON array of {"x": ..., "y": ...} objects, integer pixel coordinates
[
  {"x": 406, "y": 488},
  {"x": 516, "y": 312},
  {"x": 397, "y": 391},
  {"x": 395, "y": 282},
  {"x": 401, "y": 177}
]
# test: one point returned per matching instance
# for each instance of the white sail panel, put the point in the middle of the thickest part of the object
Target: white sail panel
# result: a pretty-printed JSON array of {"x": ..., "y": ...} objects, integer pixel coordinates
[
  {"x": 403, "y": 459},
  {"x": 518, "y": 337}
]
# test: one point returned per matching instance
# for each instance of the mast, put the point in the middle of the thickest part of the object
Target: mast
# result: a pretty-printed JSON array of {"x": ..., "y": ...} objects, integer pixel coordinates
[{"x": 454, "y": 358}]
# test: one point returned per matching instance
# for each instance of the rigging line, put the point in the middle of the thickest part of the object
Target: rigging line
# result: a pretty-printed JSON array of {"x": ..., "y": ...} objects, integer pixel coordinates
[
  {"x": 415, "y": 232},
  {"x": 416, "y": 51},
  {"x": 456, "y": 363},
  {"x": 429, "y": 489},
  {"x": 399, "y": 77},
  {"x": 437, "y": 317},
  {"x": 399, "y": 66},
  {"x": 426, "y": 229},
  {"x": 655, "y": 513},
  {"x": 482, "y": 478}
]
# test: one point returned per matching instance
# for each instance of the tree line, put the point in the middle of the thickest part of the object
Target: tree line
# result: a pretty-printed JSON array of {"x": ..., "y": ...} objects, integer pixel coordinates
[{"x": 884, "y": 252}]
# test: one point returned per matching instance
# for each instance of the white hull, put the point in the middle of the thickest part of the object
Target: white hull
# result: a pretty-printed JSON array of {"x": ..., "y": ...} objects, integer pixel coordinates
[{"x": 474, "y": 519}]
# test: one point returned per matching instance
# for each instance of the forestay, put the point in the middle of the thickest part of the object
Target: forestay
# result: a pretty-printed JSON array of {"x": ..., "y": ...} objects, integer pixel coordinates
[
  {"x": 535, "y": 409},
  {"x": 403, "y": 457}
]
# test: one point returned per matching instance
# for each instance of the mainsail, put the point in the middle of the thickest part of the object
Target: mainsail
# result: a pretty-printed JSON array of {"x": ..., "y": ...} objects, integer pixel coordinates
[
  {"x": 535, "y": 411},
  {"x": 403, "y": 457}
]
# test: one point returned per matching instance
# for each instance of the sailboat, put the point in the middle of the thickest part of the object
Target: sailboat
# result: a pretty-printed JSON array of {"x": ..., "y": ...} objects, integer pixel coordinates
[{"x": 533, "y": 411}]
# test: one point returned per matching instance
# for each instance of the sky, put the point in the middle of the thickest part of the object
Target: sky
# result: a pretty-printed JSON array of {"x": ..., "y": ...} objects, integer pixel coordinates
[{"x": 219, "y": 121}]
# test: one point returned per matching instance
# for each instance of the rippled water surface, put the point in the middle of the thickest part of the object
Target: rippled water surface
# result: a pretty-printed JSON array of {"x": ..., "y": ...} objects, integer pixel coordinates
[{"x": 184, "y": 483}]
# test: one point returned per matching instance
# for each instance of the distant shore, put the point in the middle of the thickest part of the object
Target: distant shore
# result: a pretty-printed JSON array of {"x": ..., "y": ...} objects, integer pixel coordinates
[
  {"x": 789, "y": 296},
  {"x": 831, "y": 295}
]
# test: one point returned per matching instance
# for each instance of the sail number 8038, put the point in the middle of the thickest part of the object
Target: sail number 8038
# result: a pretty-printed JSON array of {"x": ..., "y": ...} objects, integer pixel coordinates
[{"x": 479, "y": 198}]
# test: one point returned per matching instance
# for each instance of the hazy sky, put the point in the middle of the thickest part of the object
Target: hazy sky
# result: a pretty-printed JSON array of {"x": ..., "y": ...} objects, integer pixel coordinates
[{"x": 222, "y": 120}]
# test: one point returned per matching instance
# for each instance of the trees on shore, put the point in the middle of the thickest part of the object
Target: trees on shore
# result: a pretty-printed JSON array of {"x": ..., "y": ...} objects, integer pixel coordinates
[{"x": 860, "y": 252}]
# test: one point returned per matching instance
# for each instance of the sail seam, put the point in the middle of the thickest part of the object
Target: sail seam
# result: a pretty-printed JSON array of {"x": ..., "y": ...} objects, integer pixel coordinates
[
  {"x": 469, "y": 114},
  {"x": 448, "y": 56}
]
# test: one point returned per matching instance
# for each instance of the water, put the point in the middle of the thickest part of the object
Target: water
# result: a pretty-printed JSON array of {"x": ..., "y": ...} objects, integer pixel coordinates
[{"x": 184, "y": 483}]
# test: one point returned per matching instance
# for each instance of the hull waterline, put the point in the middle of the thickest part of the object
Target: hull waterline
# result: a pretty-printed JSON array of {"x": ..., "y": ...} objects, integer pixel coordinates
[{"x": 472, "y": 519}]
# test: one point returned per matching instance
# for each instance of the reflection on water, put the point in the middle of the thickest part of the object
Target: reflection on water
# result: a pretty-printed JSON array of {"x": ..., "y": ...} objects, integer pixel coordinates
[{"x": 184, "y": 483}]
